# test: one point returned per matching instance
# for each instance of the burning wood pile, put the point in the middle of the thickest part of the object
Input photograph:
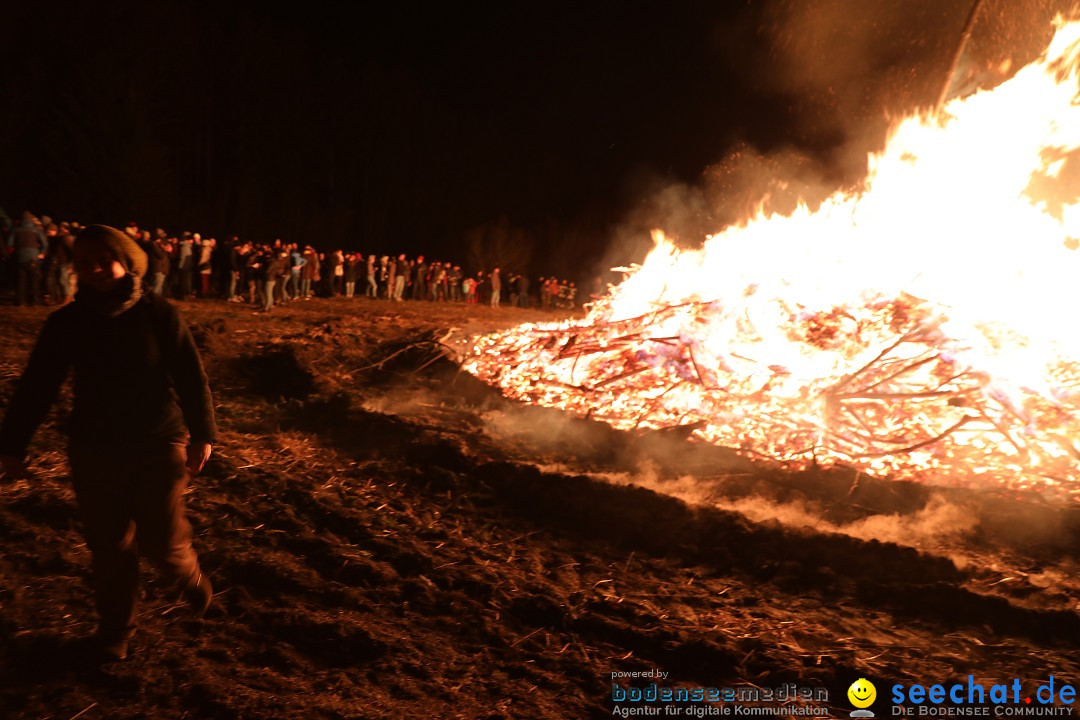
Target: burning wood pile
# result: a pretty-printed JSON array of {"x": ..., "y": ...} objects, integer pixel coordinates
[
  {"x": 912, "y": 329},
  {"x": 902, "y": 403}
]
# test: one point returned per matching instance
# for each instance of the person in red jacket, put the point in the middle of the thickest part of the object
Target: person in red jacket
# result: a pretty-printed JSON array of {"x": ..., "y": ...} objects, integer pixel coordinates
[{"x": 142, "y": 424}]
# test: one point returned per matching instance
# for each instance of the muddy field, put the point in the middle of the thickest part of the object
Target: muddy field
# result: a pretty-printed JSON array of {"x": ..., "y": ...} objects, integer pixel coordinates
[{"x": 390, "y": 538}]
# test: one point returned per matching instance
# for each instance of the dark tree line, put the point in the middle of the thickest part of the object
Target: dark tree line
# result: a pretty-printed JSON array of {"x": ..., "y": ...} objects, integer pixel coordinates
[
  {"x": 455, "y": 129},
  {"x": 228, "y": 120},
  {"x": 231, "y": 125}
]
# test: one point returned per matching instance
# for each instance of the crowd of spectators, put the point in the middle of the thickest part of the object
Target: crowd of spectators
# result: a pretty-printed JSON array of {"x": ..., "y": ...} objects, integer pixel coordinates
[{"x": 38, "y": 265}]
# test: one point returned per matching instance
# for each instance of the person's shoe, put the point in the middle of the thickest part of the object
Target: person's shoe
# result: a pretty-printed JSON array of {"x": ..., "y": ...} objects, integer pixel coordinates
[
  {"x": 98, "y": 649},
  {"x": 199, "y": 593},
  {"x": 113, "y": 650}
]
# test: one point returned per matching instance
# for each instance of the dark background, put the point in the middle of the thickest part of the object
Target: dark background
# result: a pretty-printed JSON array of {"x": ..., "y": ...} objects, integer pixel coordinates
[{"x": 542, "y": 135}]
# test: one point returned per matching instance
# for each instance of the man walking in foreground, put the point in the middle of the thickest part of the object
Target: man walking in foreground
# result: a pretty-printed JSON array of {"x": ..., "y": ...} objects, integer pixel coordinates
[{"x": 138, "y": 381}]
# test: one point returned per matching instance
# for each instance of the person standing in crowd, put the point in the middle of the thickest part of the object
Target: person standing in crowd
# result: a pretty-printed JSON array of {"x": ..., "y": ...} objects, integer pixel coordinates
[
  {"x": 391, "y": 278},
  {"x": 512, "y": 288},
  {"x": 337, "y": 285},
  {"x": 28, "y": 247},
  {"x": 479, "y": 287},
  {"x": 307, "y": 271},
  {"x": 402, "y": 270},
  {"x": 563, "y": 297},
  {"x": 159, "y": 267},
  {"x": 206, "y": 252},
  {"x": 252, "y": 272},
  {"x": 221, "y": 272},
  {"x": 138, "y": 381},
  {"x": 352, "y": 267},
  {"x": 259, "y": 266},
  {"x": 272, "y": 267},
  {"x": 468, "y": 288},
  {"x": 185, "y": 263},
  {"x": 455, "y": 283},
  {"x": 496, "y": 287},
  {"x": 523, "y": 290},
  {"x": 48, "y": 265},
  {"x": 233, "y": 265},
  {"x": 438, "y": 281},
  {"x": 550, "y": 292},
  {"x": 433, "y": 270},
  {"x": 382, "y": 276},
  {"x": 284, "y": 273},
  {"x": 296, "y": 263},
  {"x": 372, "y": 289},
  {"x": 420, "y": 279}
]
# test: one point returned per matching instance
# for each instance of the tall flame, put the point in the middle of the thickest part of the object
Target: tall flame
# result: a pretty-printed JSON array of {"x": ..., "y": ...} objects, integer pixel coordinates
[{"x": 920, "y": 327}]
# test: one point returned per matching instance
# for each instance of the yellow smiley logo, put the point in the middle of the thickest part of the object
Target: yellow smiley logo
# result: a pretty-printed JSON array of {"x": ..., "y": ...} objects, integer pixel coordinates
[{"x": 862, "y": 693}]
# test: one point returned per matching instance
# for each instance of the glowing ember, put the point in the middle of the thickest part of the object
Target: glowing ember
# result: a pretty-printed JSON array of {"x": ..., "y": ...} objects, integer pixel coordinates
[{"x": 920, "y": 328}]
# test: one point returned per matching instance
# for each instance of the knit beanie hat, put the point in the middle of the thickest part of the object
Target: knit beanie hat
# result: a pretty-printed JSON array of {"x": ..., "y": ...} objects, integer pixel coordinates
[{"x": 126, "y": 250}]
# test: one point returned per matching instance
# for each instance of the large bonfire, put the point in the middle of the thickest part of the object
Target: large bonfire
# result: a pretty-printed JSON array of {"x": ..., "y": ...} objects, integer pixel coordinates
[{"x": 922, "y": 327}]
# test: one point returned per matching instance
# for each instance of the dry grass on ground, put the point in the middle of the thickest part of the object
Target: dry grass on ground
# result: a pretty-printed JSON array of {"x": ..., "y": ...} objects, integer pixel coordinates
[{"x": 389, "y": 539}]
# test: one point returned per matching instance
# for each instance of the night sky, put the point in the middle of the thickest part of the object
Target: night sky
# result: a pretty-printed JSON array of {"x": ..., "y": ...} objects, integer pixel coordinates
[{"x": 548, "y": 136}]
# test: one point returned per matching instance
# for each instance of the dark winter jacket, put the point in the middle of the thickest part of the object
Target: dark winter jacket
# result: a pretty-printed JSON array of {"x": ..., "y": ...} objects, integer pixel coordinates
[
  {"x": 138, "y": 379},
  {"x": 351, "y": 268},
  {"x": 27, "y": 242},
  {"x": 275, "y": 268},
  {"x": 158, "y": 259}
]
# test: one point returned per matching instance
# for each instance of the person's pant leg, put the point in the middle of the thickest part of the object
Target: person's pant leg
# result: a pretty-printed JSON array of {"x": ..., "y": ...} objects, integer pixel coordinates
[
  {"x": 105, "y": 505},
  {"x": 162, "y": 529},
  {"x": 22, "y": 283},
  {"x": 35, "y": 284}
]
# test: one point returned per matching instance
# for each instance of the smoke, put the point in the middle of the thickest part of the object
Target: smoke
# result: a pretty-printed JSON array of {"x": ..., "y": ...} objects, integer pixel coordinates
[
  {"x": 939, "y": 523},
  {"x": 824, "y": 81},
  {"x": 962, "y": 525}
]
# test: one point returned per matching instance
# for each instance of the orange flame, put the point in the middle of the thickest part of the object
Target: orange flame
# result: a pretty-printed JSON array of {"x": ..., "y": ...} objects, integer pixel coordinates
[{"x": 918, "y": 328}]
